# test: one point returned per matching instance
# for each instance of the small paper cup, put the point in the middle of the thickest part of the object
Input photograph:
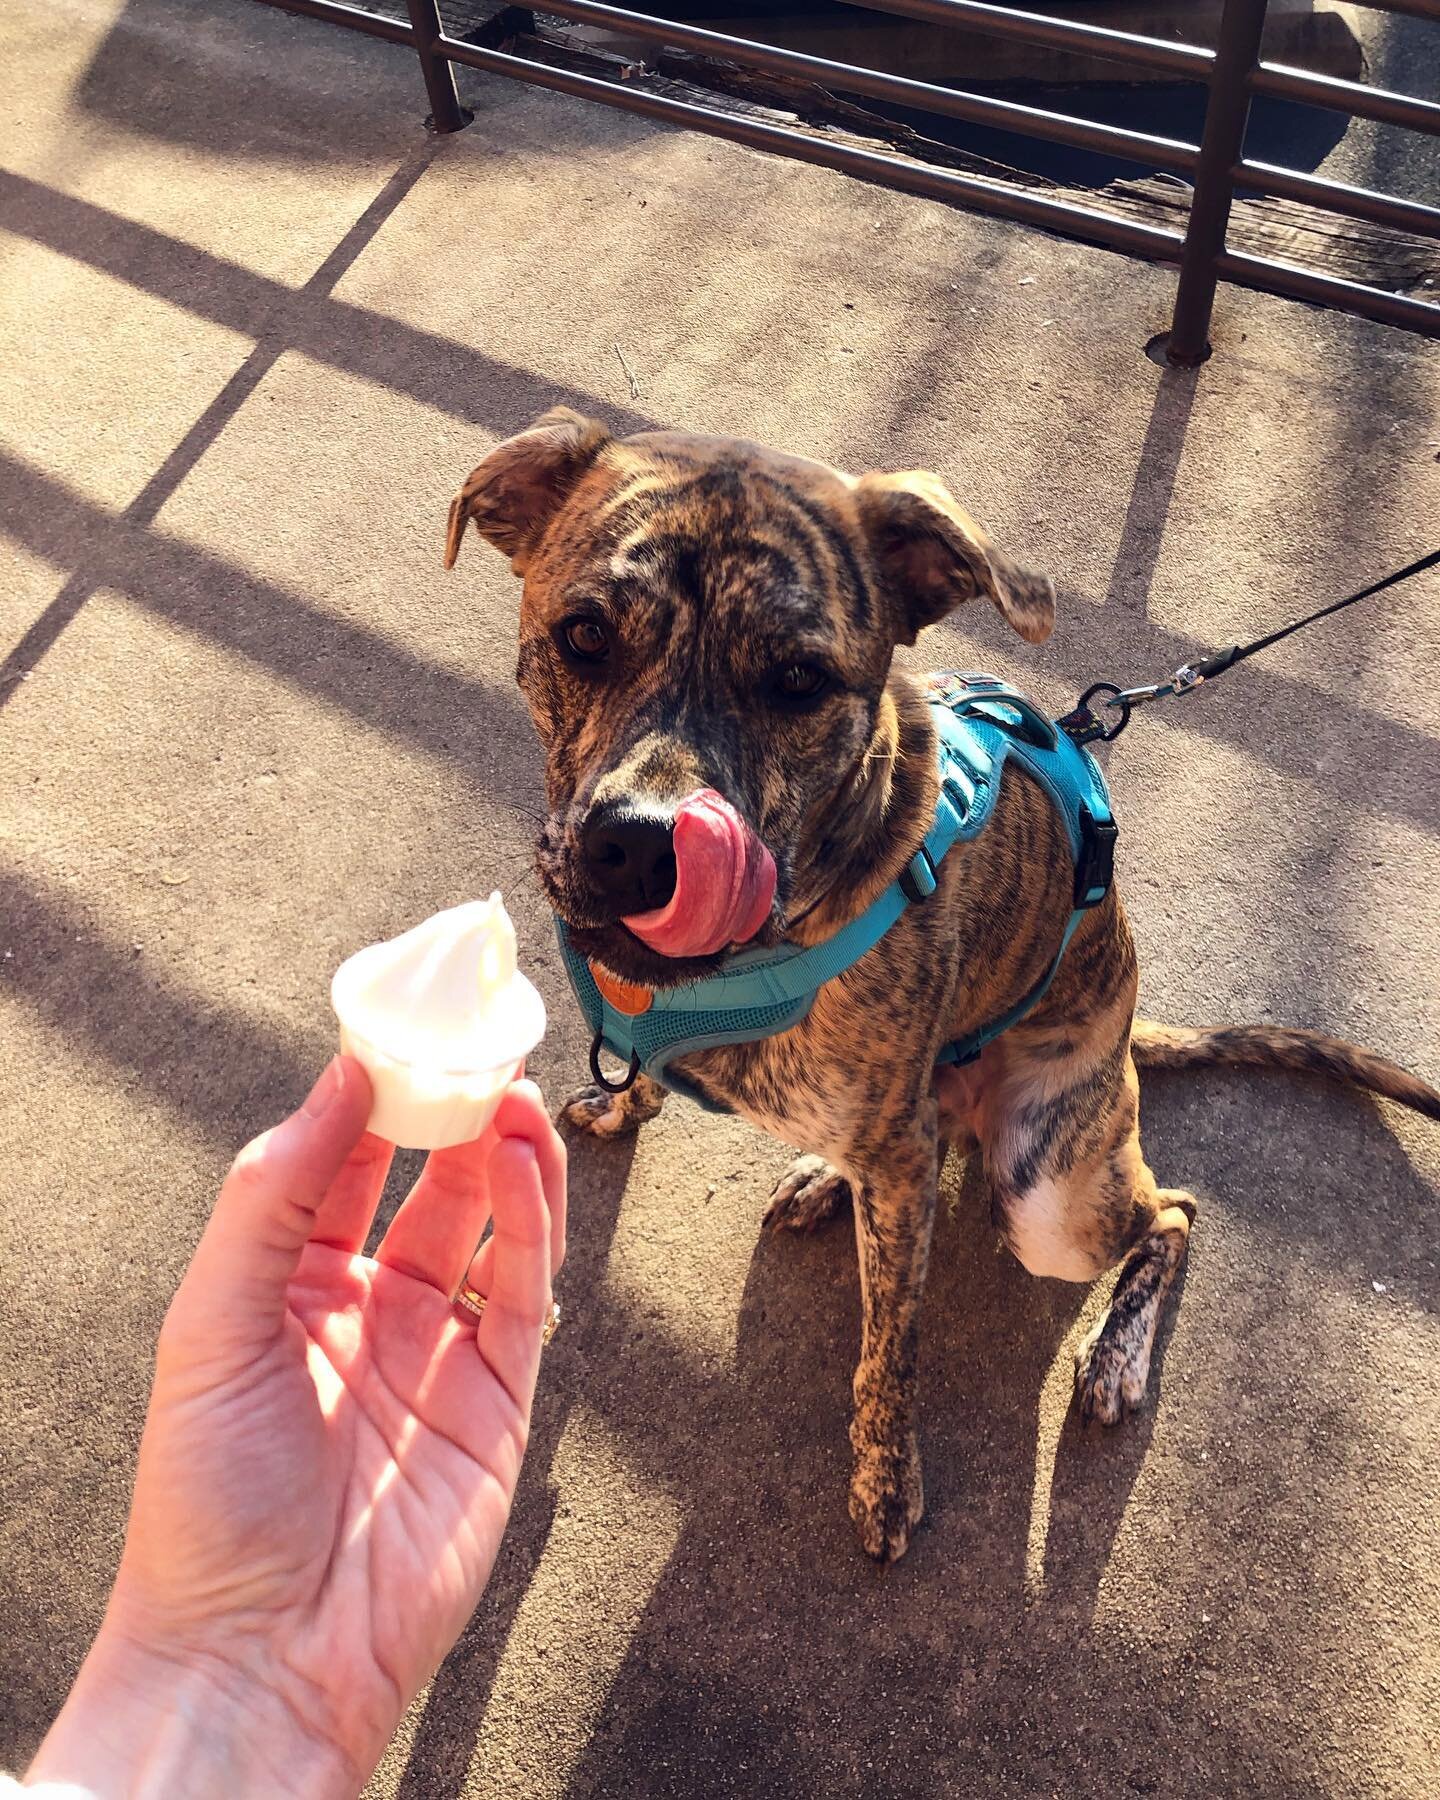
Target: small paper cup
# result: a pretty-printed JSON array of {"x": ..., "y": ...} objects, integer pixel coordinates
[
  {"x": 422, "y": 1108},
  {"x": 421, "y": 1103}
]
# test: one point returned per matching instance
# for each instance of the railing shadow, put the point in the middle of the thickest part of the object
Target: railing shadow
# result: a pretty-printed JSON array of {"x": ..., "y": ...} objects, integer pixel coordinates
[
  {"x": 1148, "y": 508},
  {"x": 452, "y": 378},
  {"x": 144, "y": 509},
  {"x": 482, "y": 729},
  {"x": 772, "y": 1659}
]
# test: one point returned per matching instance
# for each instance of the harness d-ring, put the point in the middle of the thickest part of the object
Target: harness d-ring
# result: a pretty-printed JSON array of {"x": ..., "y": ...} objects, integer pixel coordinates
[
  {"x": 1085, "y": 726},
  {"x": 612, "y": 1087}
]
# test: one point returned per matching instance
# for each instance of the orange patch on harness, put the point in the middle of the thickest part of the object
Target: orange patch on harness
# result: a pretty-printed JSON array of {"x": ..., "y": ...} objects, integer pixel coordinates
[{"x": 627, "y": 997}]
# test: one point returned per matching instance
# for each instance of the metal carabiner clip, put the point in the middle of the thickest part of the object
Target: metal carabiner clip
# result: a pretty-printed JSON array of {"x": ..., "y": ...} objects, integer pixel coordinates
[{"x": 1184, "y": 681}]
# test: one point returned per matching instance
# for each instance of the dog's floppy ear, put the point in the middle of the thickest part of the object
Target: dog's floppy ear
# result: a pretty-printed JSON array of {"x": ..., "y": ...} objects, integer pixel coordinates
[
  {"x": 513, "y": 495},
  {"x": 934, "y": 555}
]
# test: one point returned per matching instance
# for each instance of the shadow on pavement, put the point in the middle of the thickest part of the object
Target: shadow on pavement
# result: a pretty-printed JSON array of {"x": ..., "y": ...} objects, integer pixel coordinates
[
  {"x": 436, "y": 371},
  {"x": 1156, "y": 472},
  {"x": 774, "y": 1659},
  {"x": 251, "y": 82},
  {"x": 576, "y": 1366},
  {"x": 144, "y": 509}
]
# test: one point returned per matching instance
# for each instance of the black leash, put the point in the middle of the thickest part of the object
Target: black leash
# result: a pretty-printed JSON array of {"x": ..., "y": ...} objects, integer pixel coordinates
[{"x": 1087, "y": 726}]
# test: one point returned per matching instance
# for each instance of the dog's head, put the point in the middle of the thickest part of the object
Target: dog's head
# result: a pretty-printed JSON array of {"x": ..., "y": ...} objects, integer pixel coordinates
[{"x": 705, "y": 639}]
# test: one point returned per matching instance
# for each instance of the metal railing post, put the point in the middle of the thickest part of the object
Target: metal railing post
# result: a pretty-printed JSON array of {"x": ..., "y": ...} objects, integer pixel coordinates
[
  {"x": 1226, "y": 113},
  {"x": 446, "y": 112}
]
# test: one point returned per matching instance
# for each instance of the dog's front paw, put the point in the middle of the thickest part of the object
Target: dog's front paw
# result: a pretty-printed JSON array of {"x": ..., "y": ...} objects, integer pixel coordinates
[
  {"x": 599, "y": 1113},
  {"x": 809, "y": 1195},
  {"x": 1111, "y": 1372},
  {"x": 887, "y": 1500}
]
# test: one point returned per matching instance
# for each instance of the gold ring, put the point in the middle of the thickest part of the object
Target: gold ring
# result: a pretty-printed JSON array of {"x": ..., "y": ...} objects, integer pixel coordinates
[{"x": 474, "y": 1304}]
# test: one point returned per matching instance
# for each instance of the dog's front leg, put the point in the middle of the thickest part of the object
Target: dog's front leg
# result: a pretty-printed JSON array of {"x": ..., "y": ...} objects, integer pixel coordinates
[
  {"x": 894, "y": 1182},
  {"x": 602, "y": 1113}
]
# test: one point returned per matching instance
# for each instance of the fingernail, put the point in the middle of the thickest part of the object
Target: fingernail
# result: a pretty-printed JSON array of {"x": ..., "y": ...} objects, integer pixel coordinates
[{"x": 325, "y": 1091}]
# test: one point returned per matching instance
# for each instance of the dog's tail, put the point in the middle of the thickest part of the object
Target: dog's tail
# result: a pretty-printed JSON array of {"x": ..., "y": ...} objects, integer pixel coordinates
[{"x": 1278, "y": 1047}]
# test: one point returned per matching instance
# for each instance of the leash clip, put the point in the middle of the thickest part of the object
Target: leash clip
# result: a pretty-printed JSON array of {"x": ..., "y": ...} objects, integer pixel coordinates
[
  {"x": 1086, "y": 725},
  {"x": 1185, "y": 680},
  {"x": 1186, "y": 677}
]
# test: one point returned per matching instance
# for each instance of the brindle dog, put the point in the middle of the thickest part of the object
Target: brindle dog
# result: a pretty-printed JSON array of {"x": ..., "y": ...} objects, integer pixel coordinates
[{"x": 704, "y": 613}]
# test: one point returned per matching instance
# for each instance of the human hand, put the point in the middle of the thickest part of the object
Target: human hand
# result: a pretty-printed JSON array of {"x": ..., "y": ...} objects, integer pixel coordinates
[{"x": 328, "y": 1460}]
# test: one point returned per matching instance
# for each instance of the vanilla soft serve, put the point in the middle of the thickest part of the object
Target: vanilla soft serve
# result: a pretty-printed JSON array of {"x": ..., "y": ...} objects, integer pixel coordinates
[{"x": 442, "y": 1020}]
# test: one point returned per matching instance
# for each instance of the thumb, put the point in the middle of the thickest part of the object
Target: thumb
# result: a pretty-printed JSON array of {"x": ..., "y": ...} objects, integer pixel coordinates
[{"x": 234, "y": 1289}]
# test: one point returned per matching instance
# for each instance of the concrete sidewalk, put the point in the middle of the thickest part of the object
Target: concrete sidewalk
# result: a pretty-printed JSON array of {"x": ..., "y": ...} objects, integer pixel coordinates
[{"x": 254, "y": 328}]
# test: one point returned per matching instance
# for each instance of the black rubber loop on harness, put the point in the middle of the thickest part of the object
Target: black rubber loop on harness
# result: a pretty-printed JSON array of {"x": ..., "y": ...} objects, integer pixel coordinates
[{"x": 612, "y": 1087}]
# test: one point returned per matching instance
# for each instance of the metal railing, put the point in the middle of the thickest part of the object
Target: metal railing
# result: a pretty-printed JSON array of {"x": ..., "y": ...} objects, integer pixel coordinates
[{"x": 1233, "y": 73}]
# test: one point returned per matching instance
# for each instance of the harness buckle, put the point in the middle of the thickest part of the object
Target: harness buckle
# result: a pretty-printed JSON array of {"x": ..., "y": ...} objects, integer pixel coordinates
[
  {"x": 918, "y": 882},
  {"x": 1095, "y": 865}
]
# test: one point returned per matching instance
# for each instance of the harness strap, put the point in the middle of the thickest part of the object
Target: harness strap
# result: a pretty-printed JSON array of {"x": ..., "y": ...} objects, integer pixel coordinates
[
  {"x": 964, "y": 1050},
  {"x": 1088, "y": 823}
]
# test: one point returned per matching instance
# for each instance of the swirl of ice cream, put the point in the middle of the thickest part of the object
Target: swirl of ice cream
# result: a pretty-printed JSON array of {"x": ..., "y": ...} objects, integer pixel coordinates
[{"x": 442, "y": 1018}]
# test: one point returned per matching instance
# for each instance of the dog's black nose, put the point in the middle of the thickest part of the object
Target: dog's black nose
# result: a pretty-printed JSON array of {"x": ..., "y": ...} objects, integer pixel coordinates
[{"x": 630, "y": 856}]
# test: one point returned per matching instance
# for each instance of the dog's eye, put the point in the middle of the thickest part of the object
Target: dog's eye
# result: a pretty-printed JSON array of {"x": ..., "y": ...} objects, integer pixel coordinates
[
  {"x": 799, "y": 684},
  {"x": 586, "y": 639}
]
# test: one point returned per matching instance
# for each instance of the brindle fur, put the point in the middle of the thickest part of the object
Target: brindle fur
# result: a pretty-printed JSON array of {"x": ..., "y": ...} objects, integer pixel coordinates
[{"x": 712, "y": 563}]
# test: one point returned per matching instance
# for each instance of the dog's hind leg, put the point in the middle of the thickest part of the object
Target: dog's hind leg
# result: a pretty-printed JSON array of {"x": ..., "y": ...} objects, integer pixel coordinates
[
  {"x": 1072, "y": 1195},
  {"x": 1112, "y": 1366},
  {"x": 602, "y": 1114}
]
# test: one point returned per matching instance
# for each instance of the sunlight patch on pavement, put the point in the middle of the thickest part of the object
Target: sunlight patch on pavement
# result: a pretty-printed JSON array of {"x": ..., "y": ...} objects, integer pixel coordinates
[
  {"x": 107, "y": 439},
  {"x": 1052, "y": 1409}
]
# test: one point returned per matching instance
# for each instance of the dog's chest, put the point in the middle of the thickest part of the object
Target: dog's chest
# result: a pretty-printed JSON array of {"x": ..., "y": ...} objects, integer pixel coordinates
[
  {"x": 795, "y": 1087},
  {"x": 865, "y": 1049}
]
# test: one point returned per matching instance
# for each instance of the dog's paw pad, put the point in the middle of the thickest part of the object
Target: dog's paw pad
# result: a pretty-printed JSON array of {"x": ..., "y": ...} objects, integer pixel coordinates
[
  {"x": 887, "y": 1502},
  {"x": 809, "y": 1195},
  {"x": 1110, "y": 1380},
  {"x": 600, "y": 1114}
]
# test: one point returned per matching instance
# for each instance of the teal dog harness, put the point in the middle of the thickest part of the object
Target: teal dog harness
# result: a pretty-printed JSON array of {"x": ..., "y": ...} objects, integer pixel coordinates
[{"x": 981, "y": 723}]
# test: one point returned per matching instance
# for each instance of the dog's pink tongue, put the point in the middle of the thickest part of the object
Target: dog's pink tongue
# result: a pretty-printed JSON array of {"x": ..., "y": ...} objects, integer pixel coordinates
[{"x": 724, "y": 882}]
